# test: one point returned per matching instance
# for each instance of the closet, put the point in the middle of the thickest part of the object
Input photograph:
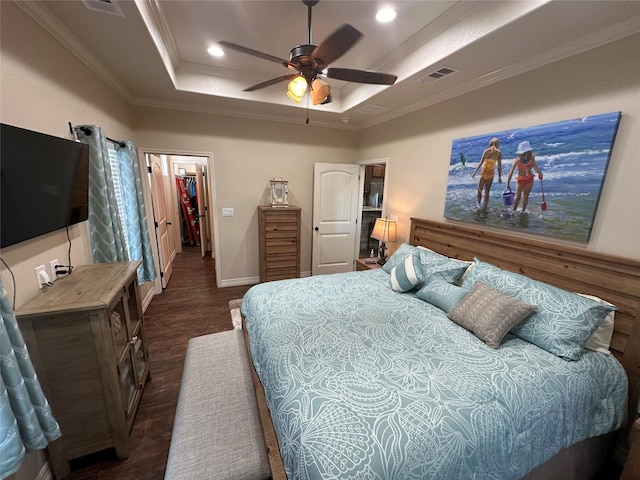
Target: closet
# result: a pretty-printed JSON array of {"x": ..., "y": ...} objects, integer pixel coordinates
[{"x": 186, "y": 186}]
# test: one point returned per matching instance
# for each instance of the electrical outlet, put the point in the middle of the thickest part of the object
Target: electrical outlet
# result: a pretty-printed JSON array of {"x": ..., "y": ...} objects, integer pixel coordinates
[
  {"x": 228, "y": 212},
  {"x": 42, "y": 277},
  {"x": 52, "y": 269}
]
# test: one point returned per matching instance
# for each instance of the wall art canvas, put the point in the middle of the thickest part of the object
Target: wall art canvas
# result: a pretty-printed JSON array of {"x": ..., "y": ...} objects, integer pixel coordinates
[{"x": 557, "y": 173}]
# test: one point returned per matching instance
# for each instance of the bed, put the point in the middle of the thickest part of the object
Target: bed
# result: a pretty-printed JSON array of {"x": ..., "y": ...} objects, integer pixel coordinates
[{"x": 362, "y": 376}]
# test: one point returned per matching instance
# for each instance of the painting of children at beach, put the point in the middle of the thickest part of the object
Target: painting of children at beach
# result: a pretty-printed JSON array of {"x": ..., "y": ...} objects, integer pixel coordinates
[{"x": 545, "y": 179}]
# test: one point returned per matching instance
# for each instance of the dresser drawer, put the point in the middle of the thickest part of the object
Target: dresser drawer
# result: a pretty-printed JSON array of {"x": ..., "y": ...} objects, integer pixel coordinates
[{"x": 279, "y": 242}]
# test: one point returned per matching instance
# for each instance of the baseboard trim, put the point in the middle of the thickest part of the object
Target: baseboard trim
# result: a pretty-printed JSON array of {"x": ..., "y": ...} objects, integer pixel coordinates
[
  {"x": 147, "y": 299},
  {"x": 236, "y": 282}
]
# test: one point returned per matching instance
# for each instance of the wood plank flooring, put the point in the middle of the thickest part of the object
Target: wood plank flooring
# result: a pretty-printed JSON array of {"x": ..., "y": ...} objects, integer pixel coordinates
[{"x": 190, "y": 306}]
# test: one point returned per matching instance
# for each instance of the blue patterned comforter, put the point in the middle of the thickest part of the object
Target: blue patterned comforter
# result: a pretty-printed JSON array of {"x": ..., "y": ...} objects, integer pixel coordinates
[{"x": 363, "y": 382}]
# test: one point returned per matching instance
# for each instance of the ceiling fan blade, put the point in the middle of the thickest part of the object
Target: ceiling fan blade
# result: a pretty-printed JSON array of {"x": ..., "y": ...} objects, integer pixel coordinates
[
  {"x": 256, "y": 53},
  {"x": 361, "y": 76},
  {"x": 336, "y": 44},
  {"x": 268, "y": 83}
]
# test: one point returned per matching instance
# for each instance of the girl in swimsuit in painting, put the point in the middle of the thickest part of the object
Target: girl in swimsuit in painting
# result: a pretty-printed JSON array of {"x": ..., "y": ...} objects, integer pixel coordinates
[
  {"x": 525, "y": 163},
  {"x": 490, "y": 157}
]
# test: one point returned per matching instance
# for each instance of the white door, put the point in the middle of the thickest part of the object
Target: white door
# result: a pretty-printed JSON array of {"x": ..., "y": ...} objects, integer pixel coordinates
[
  {"x": 203, "y": 210},
  {"x": 160, "y": 218},
  {"x": 336, "y": 202}
]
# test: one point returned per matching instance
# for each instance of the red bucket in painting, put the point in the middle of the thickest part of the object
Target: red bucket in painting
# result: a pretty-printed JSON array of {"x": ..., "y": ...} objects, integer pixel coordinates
[{"x": 507, "y": 197}]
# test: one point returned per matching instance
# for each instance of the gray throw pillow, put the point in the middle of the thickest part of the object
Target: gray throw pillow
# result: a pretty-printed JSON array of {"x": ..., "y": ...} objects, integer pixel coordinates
[{"x": 489, "y": 314}]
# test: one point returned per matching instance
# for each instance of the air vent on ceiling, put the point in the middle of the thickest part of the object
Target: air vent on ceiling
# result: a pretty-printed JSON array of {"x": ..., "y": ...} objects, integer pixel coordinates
[
  {"x": 438, "y": 74},
  {"x": 371, "y": 109},
  {"x": 105, "y": 6}
]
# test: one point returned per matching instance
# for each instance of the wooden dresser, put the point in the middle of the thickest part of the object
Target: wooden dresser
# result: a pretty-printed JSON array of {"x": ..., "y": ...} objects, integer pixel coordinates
[
  {"x": 279, "y": 242},
  {"x": 85, "y": 335}
]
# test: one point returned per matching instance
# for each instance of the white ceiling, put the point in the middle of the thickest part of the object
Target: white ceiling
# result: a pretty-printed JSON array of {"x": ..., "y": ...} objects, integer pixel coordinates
[{"x": 153, "y": 52}]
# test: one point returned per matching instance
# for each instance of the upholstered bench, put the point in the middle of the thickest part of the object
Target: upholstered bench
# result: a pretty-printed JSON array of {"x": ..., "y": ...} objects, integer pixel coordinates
[{"x": 216, "y": 431}]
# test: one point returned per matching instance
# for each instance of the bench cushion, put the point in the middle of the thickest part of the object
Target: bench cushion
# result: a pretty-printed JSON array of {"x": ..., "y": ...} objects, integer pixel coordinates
[{"x": 216, "y": 431}]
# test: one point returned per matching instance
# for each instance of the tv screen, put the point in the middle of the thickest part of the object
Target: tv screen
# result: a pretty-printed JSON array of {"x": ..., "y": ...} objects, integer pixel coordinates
[{"x": 44, "y": 184}]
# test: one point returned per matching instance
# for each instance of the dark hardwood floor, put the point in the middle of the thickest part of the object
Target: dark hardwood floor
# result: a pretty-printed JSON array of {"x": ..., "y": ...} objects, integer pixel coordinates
[{"x": 190, "y": 306}]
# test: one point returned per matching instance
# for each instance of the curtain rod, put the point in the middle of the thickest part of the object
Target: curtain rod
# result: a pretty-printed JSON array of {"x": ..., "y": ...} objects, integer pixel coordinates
[{"x": 87, "y": 131}]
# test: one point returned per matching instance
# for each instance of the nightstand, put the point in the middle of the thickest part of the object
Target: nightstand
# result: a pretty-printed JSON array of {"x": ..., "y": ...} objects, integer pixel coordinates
[{"x": 361, "y": 264}]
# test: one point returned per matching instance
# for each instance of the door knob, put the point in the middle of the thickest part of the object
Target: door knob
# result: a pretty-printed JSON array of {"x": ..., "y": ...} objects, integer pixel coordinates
[{"x": 316, "y": 229}]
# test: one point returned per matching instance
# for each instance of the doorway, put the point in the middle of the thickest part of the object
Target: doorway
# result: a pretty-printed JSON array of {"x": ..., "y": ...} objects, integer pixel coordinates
[
  {"x": 173, "y": 165},
  {"x": 374, "y": 189},
  {"x": 192, "y": 197}
]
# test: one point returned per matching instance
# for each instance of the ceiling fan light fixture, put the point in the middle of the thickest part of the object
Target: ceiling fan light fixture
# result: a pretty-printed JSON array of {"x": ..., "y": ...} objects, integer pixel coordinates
[
  {"x": 320, "y": 91},
  {"x": 296, "y": 88}
]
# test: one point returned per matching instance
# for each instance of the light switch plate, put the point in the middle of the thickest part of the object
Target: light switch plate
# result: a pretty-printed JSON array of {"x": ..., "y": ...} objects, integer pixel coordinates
[
  {"x": 42, "y": 277},
  {"x": 228, "y": 212}
]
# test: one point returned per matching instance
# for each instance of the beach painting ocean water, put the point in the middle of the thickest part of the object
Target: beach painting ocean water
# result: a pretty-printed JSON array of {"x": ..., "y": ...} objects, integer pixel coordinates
[{"x": 573, "y": 156}]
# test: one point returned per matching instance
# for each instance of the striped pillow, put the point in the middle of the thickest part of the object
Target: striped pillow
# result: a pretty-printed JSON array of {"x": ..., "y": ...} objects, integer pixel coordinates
[{"x": 407, "y": 275}]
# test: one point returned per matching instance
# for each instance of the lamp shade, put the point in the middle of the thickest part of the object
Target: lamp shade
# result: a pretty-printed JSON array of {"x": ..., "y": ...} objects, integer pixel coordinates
[
  {"x": 320, "y": 90},
  {"x": 384, "y": 230},
  {"x": 296, "y": 89}
]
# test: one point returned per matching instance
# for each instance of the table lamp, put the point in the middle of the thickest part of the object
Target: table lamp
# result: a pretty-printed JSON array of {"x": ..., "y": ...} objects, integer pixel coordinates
[{"x": 384, "y": 231}]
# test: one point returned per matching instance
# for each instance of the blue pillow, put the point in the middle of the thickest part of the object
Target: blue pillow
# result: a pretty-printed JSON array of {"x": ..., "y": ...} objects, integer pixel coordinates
[
  {"x": 564, "y": 320},
  {"x": 441, "y": 293},
  {"x": 407, "y": 275},
  {"x": 449, "y": 269}
]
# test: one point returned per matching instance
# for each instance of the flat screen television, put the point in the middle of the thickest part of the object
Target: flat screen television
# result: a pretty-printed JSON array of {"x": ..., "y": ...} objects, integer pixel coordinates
[{"x": 44, "y": 184}]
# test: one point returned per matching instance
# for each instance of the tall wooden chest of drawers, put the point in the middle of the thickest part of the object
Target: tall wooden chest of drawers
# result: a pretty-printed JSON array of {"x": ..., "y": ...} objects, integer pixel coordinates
[{"x": 279, "y": 242}]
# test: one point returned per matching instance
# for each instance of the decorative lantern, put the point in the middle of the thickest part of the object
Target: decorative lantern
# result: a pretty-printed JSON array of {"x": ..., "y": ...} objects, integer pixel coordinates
[{"x": 279, "y": 192}]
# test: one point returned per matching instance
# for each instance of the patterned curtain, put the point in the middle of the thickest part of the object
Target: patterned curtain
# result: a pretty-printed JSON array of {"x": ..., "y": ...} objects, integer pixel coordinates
[
  {"x": 109, "y": 243},
  {"x": 105, "y": 228},
  {"x": 139, "y": 242},
  {"x": 26, "y": 422}
]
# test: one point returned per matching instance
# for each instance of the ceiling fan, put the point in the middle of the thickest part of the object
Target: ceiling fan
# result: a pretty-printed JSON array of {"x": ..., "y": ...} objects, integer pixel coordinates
[{"x": 310, "y": 62}]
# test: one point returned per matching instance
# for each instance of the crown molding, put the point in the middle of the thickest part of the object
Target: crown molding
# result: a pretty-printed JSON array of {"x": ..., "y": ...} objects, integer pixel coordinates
[
  {"x": 597, "y": 39},
  {"x": 42, "y": 15}
]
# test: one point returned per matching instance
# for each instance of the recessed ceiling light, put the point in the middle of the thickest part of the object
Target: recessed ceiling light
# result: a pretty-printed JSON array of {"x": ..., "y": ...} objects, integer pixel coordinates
[
  {"x": 385, "y": 15},
  {"x": 215, "y": 51}
]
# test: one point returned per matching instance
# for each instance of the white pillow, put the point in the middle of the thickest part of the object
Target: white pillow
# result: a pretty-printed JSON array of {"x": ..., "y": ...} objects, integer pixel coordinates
[{"x": 601, "y": 338}]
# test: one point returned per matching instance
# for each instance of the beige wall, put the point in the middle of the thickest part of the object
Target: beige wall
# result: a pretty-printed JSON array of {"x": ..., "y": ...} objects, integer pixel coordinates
[
  {"x": 246, "y": 155},
  {"x": 600, "y": 81},
  {"x": 42, "y": 88}
]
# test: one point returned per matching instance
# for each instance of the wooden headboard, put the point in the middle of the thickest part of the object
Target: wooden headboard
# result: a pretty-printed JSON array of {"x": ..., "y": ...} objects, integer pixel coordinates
[{"x": 615, "y": 279}]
